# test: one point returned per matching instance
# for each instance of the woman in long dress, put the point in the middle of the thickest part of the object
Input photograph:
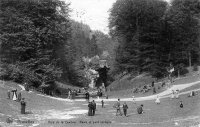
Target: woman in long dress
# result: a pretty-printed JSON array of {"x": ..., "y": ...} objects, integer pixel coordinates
[
  {"x": 157, "y": 100},
  {"x": 14, "y": 95}
]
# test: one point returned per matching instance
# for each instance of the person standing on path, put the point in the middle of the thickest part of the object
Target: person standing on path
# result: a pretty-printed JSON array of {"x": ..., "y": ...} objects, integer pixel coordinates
[{"x": 125, "y": 107}]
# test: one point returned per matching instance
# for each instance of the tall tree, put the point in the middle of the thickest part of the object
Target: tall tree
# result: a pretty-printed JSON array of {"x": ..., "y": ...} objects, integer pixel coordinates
[{"x": 33, "y": 41}]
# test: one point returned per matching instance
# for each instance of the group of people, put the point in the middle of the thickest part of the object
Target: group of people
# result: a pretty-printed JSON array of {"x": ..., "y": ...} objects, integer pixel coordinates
[
  {"x": 18, "y": 98},
  {"x": 175, "y": 94},
  {"x": 14, "y": 95},
  {"x": 92, "y": 108},
  {"x": 125, "y": 108},
  {"x": 118, "y": 108}
]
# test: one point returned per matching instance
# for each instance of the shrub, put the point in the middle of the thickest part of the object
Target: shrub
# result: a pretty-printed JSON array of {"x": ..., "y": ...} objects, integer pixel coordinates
[{"x": 195, "y": 67}]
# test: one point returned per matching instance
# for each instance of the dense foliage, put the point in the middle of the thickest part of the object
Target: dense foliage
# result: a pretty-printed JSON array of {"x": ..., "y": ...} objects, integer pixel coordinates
[
  {"x": 34, "y": 35},
  {"x": 152, "y": 34}
]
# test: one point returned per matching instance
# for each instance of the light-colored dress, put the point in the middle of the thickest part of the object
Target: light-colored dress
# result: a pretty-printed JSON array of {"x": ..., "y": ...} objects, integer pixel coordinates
[
  {"x": 14, "y": 96},
  {"x": 157, "y": 100}
]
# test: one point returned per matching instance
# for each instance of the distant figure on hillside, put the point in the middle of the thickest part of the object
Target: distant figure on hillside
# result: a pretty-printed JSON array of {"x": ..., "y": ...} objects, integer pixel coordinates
[
  {"x": 177, "y": 94},
  {"x": 125, "y": 107},
  {"x": 181, "y": 104},
  {"x": 87, "y": 95},
  {"x": 8, "y": 94},
  {"x": 157, "y": 100},
  {"x": 118, "y": 109},
  {"x": 19, "y": 97},
  {"x": 152, "y": 84},
  {"x": 154, "y": 90},
  {"x": 192, "y": 93},
  {"x": 172, "y": 94},
  {"x": 69, "y": 94},
  {"x": 134, "y": 99},
  {"x": 140, "y": 109}
]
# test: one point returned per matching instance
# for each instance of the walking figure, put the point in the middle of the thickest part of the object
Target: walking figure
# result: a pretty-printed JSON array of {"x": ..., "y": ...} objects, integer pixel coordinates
[
  {"x": 118, "y": 109},
  {"x": 125, "y": 107}
]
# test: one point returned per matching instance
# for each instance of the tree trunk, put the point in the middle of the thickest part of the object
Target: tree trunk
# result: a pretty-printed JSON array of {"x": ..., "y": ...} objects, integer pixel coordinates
[
  {"x": 178, "y": 73},
  {"x": 189, "y": 57}
]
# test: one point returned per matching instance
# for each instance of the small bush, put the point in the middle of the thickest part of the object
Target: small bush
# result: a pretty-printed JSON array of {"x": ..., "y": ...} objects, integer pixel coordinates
[
  {"x": 184, "y": 71},
  {"x": 195, "y": 67}
]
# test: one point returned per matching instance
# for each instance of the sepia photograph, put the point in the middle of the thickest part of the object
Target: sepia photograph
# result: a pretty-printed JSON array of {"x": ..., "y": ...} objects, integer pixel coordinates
[{"x": 99, "y": 63}]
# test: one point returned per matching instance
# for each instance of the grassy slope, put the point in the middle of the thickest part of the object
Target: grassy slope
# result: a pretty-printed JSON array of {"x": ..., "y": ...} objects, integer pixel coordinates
[{"x": 156, "y": 115}]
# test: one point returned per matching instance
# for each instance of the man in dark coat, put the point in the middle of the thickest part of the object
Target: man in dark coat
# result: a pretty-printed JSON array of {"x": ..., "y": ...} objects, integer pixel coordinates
[
  {"x": 87, "y": 95},
  {"x": 90, "y": 109},
  {"x": 19, "y": 97},
  {"x": 125, "y": 107},
  {"x": 93, "y": 107},
  {"x": 23, "y": 106},
  {"x": 140, "y": 109}
]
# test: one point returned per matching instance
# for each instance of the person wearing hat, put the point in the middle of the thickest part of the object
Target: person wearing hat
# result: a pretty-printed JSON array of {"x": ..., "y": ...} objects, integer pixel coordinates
[{"x": 23, "y": 106}]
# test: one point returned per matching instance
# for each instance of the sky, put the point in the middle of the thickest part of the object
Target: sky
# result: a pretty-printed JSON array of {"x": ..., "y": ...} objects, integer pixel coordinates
[{"x": 95, "y": 13}]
